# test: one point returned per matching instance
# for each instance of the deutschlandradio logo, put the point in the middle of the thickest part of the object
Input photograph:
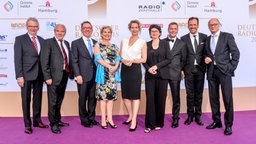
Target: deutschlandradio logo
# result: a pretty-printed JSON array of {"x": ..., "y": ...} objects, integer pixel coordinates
[
  {"x": 8, "y": 6},
  {"x": 176, "y": 6}
]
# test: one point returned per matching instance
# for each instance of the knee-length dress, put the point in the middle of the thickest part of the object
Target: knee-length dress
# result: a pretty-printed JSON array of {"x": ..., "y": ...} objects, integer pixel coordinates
[{"x": 108, "y": 90}]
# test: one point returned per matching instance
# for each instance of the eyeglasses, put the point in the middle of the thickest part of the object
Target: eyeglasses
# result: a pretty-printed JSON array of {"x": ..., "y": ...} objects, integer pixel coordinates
[
  {"x": 32, "y": 26},
  {"x": 211, "y": 25},
  {"x": 87, "y": 28},
  {"x": 154, "y": 31}
]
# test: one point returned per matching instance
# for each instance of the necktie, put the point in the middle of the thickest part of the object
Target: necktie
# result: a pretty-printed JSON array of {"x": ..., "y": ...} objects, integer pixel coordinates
[
  {"x": 34, "y": 43},
  {"x": 212, "y": 46},
  {"x": 195, "y": 43},
  {"x": 65, "y": 57},
  {"x": 90, "y": 47}
]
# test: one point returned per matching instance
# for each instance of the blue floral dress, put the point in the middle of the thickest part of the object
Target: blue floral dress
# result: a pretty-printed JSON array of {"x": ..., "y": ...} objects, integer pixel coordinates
[{"x": 108, "y": 90}]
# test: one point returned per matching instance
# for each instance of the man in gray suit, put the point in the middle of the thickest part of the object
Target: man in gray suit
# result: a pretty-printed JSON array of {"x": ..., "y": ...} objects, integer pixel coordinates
[
  {"x": 29, "y": 74},
  {"x": 84, "y": 72},
  {"x": 194, "y": 70},
  {"x": 55, "y": 62},
  {"x": 222, "y": 57},
  {"x": 178, "y": 58}
]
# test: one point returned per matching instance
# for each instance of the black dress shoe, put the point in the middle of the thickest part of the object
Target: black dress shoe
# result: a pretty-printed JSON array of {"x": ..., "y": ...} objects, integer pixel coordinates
[
  {"x": 62, "y": 124},
  {"x": 133, "y": 129},
  {"x": 55, "y": 129},
  {"x": 28, "y": 130},
  {"x": 199, "y": 121},
  {"x": 127, "y": 122},
  {"x": 40, "y": 125},
  {"x": 214, "y": 125},
  {"x": 175, "y": 123},
  {"x": 188, "y": 121},
  {"x": 228, "y": 131},
  {"x": 94, "y": 122},
  {"x": 86, "y": 124}
]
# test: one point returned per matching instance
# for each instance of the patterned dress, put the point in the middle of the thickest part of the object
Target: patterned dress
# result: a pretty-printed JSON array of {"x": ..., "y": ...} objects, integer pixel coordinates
[{"x": 108, "y": 90}]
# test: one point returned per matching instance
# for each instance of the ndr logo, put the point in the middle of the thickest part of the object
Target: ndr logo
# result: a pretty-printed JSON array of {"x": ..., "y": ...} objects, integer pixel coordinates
[
  {"x": 3, "y": 37},
  {"x": 8, "y": 6}
]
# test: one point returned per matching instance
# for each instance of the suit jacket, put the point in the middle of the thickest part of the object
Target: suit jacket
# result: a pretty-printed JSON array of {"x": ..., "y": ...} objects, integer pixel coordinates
[
  {"x": 26, "y": 58},
  {"x": 164, "y": 58},
  {"x": 178, "y": 59},
  {"x": 52, "y": 61},
  {"x": 191, "y": 55},
  {"x": 226, "y": 54},
  {"x": 82, "y": 62}
]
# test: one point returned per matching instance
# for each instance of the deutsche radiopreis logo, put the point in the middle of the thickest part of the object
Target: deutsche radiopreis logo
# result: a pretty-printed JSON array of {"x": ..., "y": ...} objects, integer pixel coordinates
[
  {"x": 8, "y": 6},
  {"x": 252, "y": 8}
]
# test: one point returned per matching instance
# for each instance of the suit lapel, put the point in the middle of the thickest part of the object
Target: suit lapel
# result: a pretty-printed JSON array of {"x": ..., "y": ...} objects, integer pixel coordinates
[
  {"x": 29, "y": 41},
  {"x": 58, "y": 47},
  {"x": 218, "y": 43}
]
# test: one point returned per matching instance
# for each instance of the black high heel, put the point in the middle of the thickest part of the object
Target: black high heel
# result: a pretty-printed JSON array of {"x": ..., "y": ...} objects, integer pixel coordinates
[
  {"x": 104, "y": 127},
  {"x": 127, "y": 122},
  {"x": 133, "y": 129},
  {"x": 112, "y": 126}
]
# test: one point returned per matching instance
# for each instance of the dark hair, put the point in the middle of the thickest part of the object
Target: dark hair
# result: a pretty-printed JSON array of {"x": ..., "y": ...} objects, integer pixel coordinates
[
  {"x": 84, "y": 23},
  {"x": 191, "y": 18},
  {"x": 156, "y": 27}
]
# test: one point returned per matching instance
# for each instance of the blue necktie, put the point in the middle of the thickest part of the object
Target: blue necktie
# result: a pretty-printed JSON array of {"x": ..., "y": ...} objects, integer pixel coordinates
[
  {"x": 90, "y": 47},
  {"x": 213, "y": 47}
]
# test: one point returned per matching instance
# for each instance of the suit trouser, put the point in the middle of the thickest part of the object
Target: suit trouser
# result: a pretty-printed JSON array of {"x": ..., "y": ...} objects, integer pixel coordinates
[
  {"x": 55, "y": 97},
  {"x": 156, "y": 91},
  {"x": 37, "y": 86},
  {"x": 86, "y": 92},
  {"x": 225, "y": 81},
  {"x": 175, "y": 91},
  {"x": 194, "y": 82}
]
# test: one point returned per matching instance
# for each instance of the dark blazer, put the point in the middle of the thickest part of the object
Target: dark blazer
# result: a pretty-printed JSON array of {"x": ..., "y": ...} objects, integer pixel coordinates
[
  {"x": 178, "y": 59},
  {"x": 26, "y": 59},
  {"x": 81, "y": 60},
  {"x": 226, "y": 54},
  {"x": 191, "y": 55},
  {"x": 164, "y": 58},
  {"x": 52, "y": 61}
]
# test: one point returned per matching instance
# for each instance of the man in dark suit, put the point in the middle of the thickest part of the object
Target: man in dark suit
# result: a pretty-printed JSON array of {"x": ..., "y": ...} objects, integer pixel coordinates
[
  {"x": 194, "y": 70},
  {"x": 178, "y": 57},
  {"x": 28, "y": 72},
  {"x": 222, "y": 57},
  {"x": 55, "y": 62},
  {"x": 84, "y": 72}
]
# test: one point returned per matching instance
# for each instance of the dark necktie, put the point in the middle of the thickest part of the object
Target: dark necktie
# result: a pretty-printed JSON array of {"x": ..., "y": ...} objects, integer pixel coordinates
[
  {"x": 195, "y": 43},
  {"x": 172, "y": 40},
  {"x": 34, "y": 43},
  {"x": 65, "y": 57}
]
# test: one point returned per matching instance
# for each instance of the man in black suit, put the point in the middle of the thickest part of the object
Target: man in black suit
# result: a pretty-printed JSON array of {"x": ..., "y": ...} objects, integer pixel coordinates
[
  {"x": 178, "y": 57},
  {"x": 28, "y": 72},
  {"x": 194, "y": 70},
  {"x": 222, "y": 57},
  {"x": 55, "y": 62},
  {"x": 84, "y": 72}
]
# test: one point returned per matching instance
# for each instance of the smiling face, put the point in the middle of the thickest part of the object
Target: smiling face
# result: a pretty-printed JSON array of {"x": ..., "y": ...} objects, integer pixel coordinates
[
  {"x": 106, "y": 33},
  {"x": 86, "y": 29},
  {"x": 173, "y": 30},
  {"x": 214, "y": 25},
  {"x": 32, "y": 27},
  {"x": 134, "y": 29},
  {"x": 193, "y": 26},
  {"x": 59, "y": 31}
]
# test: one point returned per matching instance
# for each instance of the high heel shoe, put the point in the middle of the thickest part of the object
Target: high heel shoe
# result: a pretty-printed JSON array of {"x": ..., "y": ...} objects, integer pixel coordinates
[
  {"x": 112, "y": 126},
  {"x": 133, "y": 129},
  {"x": 104, "y": 127},
  {"x": 127, "y": 122}
]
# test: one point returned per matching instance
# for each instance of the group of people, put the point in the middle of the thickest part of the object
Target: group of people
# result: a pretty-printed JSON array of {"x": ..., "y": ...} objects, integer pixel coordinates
[{"x": 97, "y": 67}]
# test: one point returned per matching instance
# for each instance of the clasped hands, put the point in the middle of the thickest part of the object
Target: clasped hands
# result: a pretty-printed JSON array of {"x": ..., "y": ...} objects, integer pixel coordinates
[{"x": 153, "y": 70}]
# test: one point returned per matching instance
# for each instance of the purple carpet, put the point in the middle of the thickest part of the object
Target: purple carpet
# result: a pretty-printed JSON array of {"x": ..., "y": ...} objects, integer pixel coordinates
[{"x": 12, "y": 132}]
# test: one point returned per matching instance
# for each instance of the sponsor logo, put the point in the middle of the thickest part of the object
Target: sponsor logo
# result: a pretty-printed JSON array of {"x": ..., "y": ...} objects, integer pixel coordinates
[
  {"x": 3, "y": 37},
  {"x": 3, "y": 76},
  {"x": 97, "y": 8},
  {"x": 8, "y": 6},
  {"x": 176, "y": 6},
  {"x": 212, "y": 8},
  {"x": 148, "y": 25},
  {"x": 151, "y": 7},
  {"x": 50, "y": 25},
  {"x": 4, "y": 84},
  {"x": 3, "y": 67},
  {"x": 3, "y": 50},
  {"x": 18, "y": 25},
  {"x": 252, "y": 8},
  {"x": 25, "y": 4},
  {"x": 3, "y": 58},
  {"x": 47, "y": 8},
  {"x": 192, "y": 4}
]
